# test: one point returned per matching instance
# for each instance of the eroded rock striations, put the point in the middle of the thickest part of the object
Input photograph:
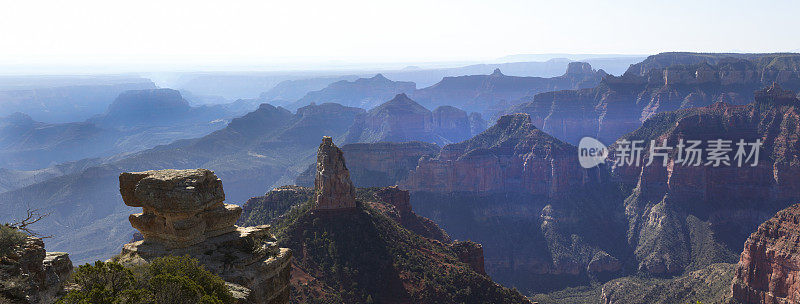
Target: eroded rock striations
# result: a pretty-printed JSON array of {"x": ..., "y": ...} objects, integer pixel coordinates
[
  {"x": 29, "y": 274},
  {"x": 769, "y": 267},
  {"x": 715, "y": 207},
  {"x": 183, "y": 214},
  {"x": 332, "y": 184},
  {"x": 661, "y": 83},
  {"x": 513, "y": 155}
]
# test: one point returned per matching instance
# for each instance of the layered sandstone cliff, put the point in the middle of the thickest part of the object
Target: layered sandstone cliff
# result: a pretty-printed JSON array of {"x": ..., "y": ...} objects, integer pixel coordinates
[
  {"x": 183, "y": 214},
  {"x": 663, "y": 82},
  {"x": 714, "y": 208},
  {"x": 513, "y": 155},
  {"x": 451, "y": 123},
  {"x": 769, "y": 267}
]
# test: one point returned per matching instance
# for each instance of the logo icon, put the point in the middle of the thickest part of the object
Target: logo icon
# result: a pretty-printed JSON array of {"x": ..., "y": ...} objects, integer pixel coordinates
[{"x": 591, "y": 152}]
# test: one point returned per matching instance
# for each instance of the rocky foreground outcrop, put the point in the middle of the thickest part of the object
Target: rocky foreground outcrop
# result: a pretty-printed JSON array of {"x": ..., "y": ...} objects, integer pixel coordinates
[
  {"x": 183, "y": 214},
  {"x": 769, "y": 267},
  {"x": 29, "y": 274}
]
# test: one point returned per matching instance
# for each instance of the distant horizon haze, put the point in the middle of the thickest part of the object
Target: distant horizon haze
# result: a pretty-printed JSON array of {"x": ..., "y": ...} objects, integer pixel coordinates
[{"x": 104, "y": 36}]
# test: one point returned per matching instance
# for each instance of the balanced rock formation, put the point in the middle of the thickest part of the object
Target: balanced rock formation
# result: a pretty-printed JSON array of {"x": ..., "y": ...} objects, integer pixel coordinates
[
  {"x": 332, "y": 184},
  {"x": 29, "y": 274},
  {"x": 184, "y": 214},
  {"x": 180, "y": 207},
  {"x": 769, "y": 267}
]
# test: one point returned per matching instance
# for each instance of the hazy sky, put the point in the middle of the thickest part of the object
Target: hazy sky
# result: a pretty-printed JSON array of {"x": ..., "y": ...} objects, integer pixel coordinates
[{"x": 136, "y": 33}]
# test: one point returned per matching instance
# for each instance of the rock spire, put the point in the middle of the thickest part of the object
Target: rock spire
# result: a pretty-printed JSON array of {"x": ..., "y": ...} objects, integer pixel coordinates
[{"x": 332, "y": 184}]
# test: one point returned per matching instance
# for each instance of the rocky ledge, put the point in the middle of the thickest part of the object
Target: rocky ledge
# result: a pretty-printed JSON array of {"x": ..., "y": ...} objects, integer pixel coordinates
[
  {"x": 29, "y": 274},
  {"x": 184, "y": 214}
]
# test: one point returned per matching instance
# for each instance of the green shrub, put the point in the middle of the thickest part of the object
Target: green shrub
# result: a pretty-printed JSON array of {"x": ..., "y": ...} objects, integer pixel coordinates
[
  {"x": 209, "y": 283},
  {"x": 165, "y": 280},
  {"x": 10, "y": 237}
]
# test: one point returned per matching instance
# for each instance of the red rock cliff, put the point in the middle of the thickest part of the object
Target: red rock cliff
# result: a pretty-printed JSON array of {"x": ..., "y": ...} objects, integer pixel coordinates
[
  {"x": 769, "y": 267},
  {"x": 731, "y": 200},
  {"x": 513, "y": 155}
]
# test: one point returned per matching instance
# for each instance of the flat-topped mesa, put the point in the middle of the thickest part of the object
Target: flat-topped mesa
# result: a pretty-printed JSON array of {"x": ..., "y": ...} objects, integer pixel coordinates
[
  {"x": 180, "y": 208},
  {"x": 332, "y": 184},
  {"x": 183, "y": 213}
]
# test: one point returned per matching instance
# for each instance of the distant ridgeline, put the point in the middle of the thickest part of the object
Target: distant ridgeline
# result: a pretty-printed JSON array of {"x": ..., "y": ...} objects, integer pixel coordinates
[
  {"x": 663, "y": 82},
  {"x": 136, "y": 120}
]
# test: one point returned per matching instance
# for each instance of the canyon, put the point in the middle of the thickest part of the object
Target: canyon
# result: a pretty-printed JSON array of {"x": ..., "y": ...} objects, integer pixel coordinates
[
  {"x": 663, "y": 82},
  {"x": 424, "y": 190}
]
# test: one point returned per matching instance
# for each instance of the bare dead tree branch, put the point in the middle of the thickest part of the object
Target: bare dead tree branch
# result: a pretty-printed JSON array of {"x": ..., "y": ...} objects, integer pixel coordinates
[{"x": 31, "y": 217}]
